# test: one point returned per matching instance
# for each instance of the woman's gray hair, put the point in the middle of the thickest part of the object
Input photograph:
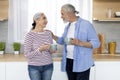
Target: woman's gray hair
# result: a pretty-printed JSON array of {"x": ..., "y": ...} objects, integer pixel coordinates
[
  {"x": 37, "y": 16},
  {"x": 69, "y": 8}
]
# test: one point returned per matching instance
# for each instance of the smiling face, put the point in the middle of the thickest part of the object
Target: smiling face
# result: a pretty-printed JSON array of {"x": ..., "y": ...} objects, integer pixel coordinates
[
  {"x": 42, "y": 21},
  {"x": 64, "y": 15}
]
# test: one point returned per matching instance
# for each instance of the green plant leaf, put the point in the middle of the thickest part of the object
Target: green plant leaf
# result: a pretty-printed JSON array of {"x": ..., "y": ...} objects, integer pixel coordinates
[
  {"x": 2, "y": 46},
  {"x": 16, "y": 46}
]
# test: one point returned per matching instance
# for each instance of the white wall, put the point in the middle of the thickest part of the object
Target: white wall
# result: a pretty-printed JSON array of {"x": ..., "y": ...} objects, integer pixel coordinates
[{"x": 111, "y": 31}]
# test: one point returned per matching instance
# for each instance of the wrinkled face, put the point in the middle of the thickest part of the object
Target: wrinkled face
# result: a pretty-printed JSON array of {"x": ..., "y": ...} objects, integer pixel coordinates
[
  {"x": 42, "y": 21},
  {"x": 64, "y": 16}
]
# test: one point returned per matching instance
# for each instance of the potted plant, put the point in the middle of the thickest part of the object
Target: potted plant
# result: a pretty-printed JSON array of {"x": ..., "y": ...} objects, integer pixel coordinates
[
  {"x": 2, "y": 47},
  {"x": 16, "y": 47}
]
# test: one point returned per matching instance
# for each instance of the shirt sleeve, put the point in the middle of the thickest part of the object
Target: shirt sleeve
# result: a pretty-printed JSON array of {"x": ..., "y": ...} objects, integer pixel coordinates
[
  {"x": 28, "y": 51},
  {"x": 92, "y": 36}
]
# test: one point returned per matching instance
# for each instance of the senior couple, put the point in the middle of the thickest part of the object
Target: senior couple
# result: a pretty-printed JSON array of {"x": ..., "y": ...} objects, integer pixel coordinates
[{"x": 77, "y": 57}]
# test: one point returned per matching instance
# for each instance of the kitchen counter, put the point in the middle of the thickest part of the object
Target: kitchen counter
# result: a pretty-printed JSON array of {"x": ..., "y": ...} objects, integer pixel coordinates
[
  {"x": 105, "y": 66},
  {"x": 107, "y": 57},
  {"x": 21, "y": 57}
]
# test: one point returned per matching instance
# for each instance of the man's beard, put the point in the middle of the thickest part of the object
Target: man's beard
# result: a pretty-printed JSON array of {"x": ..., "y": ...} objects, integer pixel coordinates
[{"x": 65, "y": 21}]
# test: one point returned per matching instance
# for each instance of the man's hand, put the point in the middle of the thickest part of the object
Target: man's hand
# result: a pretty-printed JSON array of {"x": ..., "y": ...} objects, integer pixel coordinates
[
  {"x": 75, "y": 41},
  {"x": 80, "y": 43},
  {"x": 53, "y": 36}
]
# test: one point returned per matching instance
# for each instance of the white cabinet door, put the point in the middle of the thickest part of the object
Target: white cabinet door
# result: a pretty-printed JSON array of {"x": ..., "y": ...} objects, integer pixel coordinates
[
  {"x": 57, "y": 73},
  {"x": 16, "y": 71},
  {"x": 2, "y": 71},
  {"x": 108, "y": 70},
  {"x": 92, "y": 73},
  {"x": 103, "y": 70}
]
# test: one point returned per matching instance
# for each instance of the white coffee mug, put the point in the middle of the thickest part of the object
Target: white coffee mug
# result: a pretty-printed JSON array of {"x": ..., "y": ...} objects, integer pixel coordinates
[
  {"x": 53, "y": 47},
  {"x": 68, "y": 41}
]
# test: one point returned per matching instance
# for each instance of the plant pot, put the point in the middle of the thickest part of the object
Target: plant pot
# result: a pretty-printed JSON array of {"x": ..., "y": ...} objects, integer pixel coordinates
[
  {"x": 16, "y": 52},
  {"x": 1, "y": 52}
]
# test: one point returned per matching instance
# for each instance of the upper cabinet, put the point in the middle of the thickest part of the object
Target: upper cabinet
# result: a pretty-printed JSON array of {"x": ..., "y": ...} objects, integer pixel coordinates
[
  {"x": 104, "y": 10},
  {"x": 3, "y": 10}
]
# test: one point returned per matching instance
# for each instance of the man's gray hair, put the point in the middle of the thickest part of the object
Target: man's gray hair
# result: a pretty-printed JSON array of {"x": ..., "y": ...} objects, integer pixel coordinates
[{"x": 69, "y": 8}]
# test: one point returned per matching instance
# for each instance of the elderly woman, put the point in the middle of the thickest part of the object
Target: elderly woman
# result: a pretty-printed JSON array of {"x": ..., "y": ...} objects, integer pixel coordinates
[{"x": 36, "y": 49}]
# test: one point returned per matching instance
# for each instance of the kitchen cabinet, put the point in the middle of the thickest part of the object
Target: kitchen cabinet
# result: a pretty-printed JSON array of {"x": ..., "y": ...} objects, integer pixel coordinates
[
  {"x": 92, "y": 73},
  {"x": 2, "y": 71},
  {"x": 16, "y": 71},
  {"x": 14, "y": 67},
  {"x": 107, "y": 70},
  {"x": 104, "y": 10},
  {"x": 3, "y": 10},
  {"x": 57, "y": 74}
]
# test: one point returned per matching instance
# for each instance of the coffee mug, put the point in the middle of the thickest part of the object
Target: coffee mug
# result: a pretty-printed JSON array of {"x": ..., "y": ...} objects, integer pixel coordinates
[
  {"x": 53, "y": 47},
  {"x": 68, "y": 41}
]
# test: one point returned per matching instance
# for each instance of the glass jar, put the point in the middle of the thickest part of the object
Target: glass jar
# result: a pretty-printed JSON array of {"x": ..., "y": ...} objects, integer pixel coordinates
[
  {"x": 109, "y": 13},
  {"x": 112, "y": 47}
]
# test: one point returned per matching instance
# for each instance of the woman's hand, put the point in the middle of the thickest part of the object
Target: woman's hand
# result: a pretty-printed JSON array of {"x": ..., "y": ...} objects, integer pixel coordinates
[
  {"x": 52, "y": 51},
  {"x": 44, "y": 47}
]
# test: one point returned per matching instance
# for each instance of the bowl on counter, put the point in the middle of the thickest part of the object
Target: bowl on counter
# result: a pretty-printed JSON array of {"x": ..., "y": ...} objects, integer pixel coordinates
[{"x": 117, "y": 14}]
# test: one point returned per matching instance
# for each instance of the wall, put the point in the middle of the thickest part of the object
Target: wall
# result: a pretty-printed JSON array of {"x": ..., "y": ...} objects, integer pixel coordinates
[
  {"x": 4, "y": 36},
  {"x": 110, "y": 29},
  {"x": 9, "y": 47},
  {"x": 3, "y": 30}
]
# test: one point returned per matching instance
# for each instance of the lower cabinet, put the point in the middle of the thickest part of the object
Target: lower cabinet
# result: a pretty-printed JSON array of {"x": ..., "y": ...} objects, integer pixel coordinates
[
  {"x": 2, "y": 71},
  {"x": 103, "y": 70},
  {"x": 57, "y": 74},
  {"x": 107, "y": 70},
  {"x": 92, "y": 73},
  {"x": 16, "y": 71}
]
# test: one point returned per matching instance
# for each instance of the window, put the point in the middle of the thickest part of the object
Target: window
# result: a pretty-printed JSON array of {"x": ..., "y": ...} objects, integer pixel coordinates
[{"x": 21, "y": 15}]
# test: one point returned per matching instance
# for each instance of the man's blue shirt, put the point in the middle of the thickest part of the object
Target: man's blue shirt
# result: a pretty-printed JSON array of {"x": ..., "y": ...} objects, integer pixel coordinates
[{"x": 83, "y": 59}]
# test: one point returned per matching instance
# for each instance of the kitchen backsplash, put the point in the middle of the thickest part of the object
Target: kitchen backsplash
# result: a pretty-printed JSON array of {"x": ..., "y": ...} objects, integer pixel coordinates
[
  {"x": 3, "y": 30},
  {"x": 111, "y": 30}
]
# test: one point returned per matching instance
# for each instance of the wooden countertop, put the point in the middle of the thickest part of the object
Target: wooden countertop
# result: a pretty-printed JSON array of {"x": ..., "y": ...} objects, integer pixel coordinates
[
  {"x": 107, "y": 57},
  {"x": 18, "y": 58},
  {"x": 21, "y": 57}
]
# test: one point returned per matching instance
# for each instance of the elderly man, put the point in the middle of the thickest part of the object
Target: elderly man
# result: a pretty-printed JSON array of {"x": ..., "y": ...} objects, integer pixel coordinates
[{"x": 77, "y": 56}]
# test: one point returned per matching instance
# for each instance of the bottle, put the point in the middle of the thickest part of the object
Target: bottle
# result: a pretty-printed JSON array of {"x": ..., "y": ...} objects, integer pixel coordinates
[
  {"x": 112, "y": 47},
  {"x": 109, "y": 13}
]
